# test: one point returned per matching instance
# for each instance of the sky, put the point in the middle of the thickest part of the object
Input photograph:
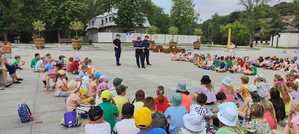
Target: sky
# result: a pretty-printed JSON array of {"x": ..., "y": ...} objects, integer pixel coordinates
[{"x": 207, "y": 8}]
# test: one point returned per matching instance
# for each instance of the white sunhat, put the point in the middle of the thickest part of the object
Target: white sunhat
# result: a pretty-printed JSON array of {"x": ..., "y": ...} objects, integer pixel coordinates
[
  {"x": 194, "y": 122},
  {"x": 228, "y": 113},
  {"x": 227, "y": 81}
]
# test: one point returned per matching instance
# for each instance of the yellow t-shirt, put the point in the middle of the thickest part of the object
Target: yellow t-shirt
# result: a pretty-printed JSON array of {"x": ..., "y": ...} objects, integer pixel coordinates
[
  {"x": 244, "y": 91},
  {"x": 119, "y": 102}
]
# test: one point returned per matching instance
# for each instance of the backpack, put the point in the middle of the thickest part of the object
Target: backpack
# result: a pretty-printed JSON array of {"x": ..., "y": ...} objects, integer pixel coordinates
[
  {"x": 24, "y": 113},
  {"x": 71, "y": 120}
]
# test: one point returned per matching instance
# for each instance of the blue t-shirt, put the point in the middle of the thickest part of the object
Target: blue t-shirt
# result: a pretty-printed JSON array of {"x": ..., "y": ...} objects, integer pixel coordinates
[
  {"x": 174, "y": 116},
  {"x": 154, "y": 131},
  {"x": 48, "y": 67}
]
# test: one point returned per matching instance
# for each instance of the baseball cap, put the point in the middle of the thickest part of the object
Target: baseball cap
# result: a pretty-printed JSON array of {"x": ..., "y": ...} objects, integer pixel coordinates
[
  {"x": 61, "y": 72},
  {"x": 106, "y": 94},
  {"x": 128, "y": 110},
  {"x": 117, "y": 81},
  {"x": 143, "y": 117}
]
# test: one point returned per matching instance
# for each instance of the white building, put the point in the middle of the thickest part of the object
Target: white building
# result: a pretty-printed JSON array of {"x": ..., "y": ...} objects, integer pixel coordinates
[
  {"x": 286, "y": 40},
  {"x": 105, "y": 23}
]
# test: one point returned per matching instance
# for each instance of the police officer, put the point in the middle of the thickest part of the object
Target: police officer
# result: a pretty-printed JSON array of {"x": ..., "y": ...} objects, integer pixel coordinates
[
  {"x": 139, "y": 52},
  {"x": 146, "y": 45},
  {"x": 117, "y": 49}
]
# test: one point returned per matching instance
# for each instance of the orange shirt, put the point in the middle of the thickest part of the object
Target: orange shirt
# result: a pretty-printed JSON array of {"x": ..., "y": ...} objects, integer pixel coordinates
[{"x": 186, "y": 101}]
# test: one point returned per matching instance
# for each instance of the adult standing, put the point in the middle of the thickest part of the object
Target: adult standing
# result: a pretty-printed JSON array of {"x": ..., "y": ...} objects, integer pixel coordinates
[
  {"x": 146, "y": 45},
  {"x": 139, "y": 52},
  {"x": 117, "y": 49}
]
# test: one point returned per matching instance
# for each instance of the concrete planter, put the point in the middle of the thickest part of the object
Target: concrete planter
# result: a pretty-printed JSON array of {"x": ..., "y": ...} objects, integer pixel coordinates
[
  {"x": 196, "y": 45},
  {"x": 39, "y": 42},
  {"x": 76, "y": 44}
]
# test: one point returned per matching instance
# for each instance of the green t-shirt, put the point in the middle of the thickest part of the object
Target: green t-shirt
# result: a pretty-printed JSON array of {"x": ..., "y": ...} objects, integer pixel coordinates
[
  {"x": 229, "y": 63},
  {"x": 33, "y": 62},
  {"x": 110, "y": 113},
  {"x": 254, "y": 70},
  {"x": 230, "y": 130},
  {"x": 16, "y": 62}
]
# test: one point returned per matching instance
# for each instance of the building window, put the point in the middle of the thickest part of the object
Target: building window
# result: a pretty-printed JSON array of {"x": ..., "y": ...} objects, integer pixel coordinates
[
  {"x": 102, "y": 23},
  {"x": 92, "y": 22},
  {"x": 110, "y": 19},
  {"x": 106, "y": 20}
]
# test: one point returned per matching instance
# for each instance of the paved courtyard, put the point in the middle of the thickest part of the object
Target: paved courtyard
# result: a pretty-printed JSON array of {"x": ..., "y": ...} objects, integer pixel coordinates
[{"x": 48, "y": 110}]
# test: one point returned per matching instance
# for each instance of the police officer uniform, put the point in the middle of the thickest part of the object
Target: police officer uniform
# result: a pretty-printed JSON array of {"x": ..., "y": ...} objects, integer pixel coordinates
[
  {"x": 117, "y": 50},
  {"x": 139, "y": 52},
  {"x": 146, "y": 45}
]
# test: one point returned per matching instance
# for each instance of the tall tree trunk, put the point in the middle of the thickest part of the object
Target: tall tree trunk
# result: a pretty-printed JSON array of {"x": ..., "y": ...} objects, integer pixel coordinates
[
  {"x": 250, "y": 41},
  {"x": 277, "y": 41},
  {"x": 5, "y": 36},
  {"x": 58, "y": 36}
]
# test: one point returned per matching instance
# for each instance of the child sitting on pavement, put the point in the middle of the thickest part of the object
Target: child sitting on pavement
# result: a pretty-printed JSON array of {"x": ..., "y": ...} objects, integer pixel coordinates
[
  {"x": 120, "y": 99},
  {"x": 96, "y": 123},
  {"x": 161, "y": 101},
  {"x": 110, "y": 110}
]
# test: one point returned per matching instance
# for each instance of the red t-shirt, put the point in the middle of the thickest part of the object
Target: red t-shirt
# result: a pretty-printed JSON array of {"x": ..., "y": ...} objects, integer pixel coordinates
[
  {"x": 74, "y": 66},
  {"x": 161, "y": 106}
]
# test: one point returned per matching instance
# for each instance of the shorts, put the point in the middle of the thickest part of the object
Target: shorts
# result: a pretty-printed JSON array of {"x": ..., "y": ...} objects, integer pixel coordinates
[{"x": 11, "y": 69}]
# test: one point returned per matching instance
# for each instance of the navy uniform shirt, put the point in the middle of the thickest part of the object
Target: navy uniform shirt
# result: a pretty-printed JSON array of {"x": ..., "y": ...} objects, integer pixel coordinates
[
  {"x": 146, "y": 44},
  {"x": 117, "y": 43},
  {"x": 138, "y": 44}
]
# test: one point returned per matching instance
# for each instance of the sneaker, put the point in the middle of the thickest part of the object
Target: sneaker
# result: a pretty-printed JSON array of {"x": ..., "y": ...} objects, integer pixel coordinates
[
  {"x": 16, "y": 82},
  {"x": 20, "y": 79}
]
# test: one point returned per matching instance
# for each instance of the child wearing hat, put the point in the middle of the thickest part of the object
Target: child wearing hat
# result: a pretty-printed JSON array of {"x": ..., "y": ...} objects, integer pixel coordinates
[
  {"x": 127, "y": 124},
  {"x": 228, "y": 116},
  {"x": 96, "y": 123},
  {"x": 207, "y": 89},
  {"x": 61, "y": 89},
  {"x": 110, "y": 110},
  {"x": 175, "y": 113},
  {"x": 186, "y": 98},
  {"x": 244, "y": 86},
  {"x": 73, "y": 99},
  {"x": 161, "y": 101},
  {"x": 193, "y": 124},
  {"x": 116, "y": 82},
  {"x": 120, "y": 99},
  {"x": 227, "y": 89},
  {"x": 92, "y": 90},
  {"x": 143, "y": 121}
]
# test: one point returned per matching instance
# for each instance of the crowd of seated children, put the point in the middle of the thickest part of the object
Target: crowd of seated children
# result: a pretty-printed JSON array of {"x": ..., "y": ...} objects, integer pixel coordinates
[{"x": 256, "y": 107}]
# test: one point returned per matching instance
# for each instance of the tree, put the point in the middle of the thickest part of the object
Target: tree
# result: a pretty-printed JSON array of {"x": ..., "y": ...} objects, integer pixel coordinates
[
  {"x": 59, "y": 13},
  {"x": 173, "y": 31},
  {"x": 239, "y": 32},
  {"x": 251, "y": 16},
  {"x": 156, "y": 16},
  {"x": 130, "y": 14},
  {"x": 183, "y": 15},
  {"x": 76, "y": 26},
  {"x": 153, "y": 30},
  {"x": 10, "y": 16},
  {"x": 296, "y": 11},
  {"x": 198, "y": 31}
]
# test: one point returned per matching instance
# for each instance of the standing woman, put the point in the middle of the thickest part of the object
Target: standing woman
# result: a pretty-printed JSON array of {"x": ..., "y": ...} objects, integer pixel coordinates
[
  {"x": 117, "y": 49},
  {"x": 146, "y": 45},
  {"x": 139, "y": 52}
]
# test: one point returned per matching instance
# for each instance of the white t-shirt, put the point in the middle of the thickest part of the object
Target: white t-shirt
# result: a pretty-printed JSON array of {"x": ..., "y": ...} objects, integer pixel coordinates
[
  {"x": 101, "y": 128},
  {"x": 126, "y": 126}
]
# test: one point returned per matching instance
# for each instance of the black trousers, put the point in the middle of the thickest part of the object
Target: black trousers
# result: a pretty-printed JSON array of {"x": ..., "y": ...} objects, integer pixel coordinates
[
  {"x": 147, "y": 54},
  {"x": 139, "y": 55},
  {"x": 117, "y": 55}
]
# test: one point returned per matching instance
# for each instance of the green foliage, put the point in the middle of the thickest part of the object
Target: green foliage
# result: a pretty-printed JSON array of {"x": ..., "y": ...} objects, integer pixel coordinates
[
  {"x": 76, "y": 26},
  {"x": 153, "y": 30},
  {"x": 183, "y": 16},
  {"x": 239, "y": 32},
  {"x": 296, "y": 12},
  {"x": 39, "y": 26},
  {"x": 198, "y": 31},
  {"x": 130, "y": 14},
  {"x": 173, "y": 30}
]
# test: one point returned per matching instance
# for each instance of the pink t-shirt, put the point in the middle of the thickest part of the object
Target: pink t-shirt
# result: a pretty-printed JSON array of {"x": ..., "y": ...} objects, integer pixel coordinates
[
  {"x": 229, "y": 97},
  {"x": 72, "y": 102},
  {"x": 268, "y": 116}
]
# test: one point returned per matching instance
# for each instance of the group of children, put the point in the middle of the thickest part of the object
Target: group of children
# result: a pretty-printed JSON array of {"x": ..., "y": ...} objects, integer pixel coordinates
[
  {"x": 218, "y": 63},
  {"x": 237, "y": 64},
  {"x": 255, "y": 107}
]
